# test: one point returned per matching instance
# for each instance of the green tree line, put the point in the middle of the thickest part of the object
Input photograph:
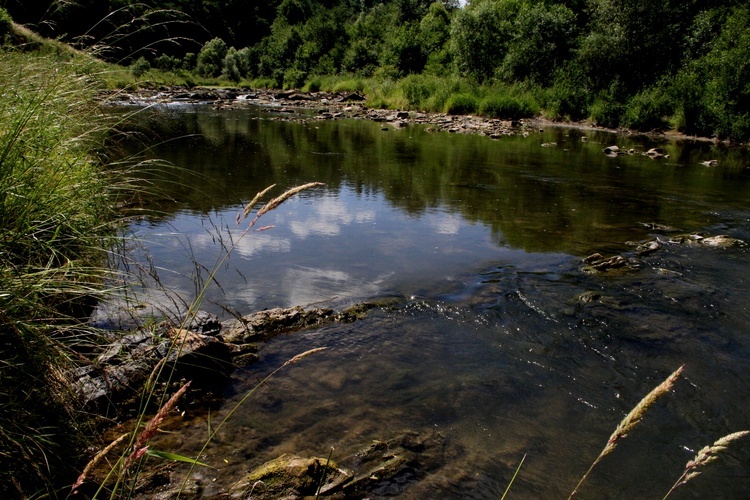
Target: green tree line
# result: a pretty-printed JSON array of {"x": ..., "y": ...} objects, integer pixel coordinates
[{"x": 642, "y": 64}]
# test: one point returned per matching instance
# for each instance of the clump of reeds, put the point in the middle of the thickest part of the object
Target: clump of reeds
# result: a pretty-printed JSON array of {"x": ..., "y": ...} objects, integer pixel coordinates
[
  {"x": 631, "y": 420},
  {"x": 55, "y": 220}
]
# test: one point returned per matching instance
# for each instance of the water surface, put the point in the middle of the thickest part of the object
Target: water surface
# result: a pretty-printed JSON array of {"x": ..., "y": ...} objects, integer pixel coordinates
[{"x": 492, "y": 348}]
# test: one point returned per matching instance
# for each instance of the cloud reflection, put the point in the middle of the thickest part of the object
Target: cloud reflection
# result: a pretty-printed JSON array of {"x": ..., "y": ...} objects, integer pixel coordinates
[
  {"x": 446, "y": 224},
  {"x": 306, "y": 285},
  {"x": 327, "y": 217},
  {"x": 247, "y": 246}
]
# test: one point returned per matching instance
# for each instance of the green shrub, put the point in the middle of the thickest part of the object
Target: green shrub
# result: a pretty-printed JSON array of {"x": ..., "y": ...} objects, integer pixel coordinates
[
  {"x": 211, "y": 58},
  {"x": 506, "y": 106},
  {"x": 417, "y": 89},
  {"x": 606, "y": 112},
  {"x": 648, "y": 110},
  {"x": 349, "y": 85},
  {"x": 568, "y": 97},
  {"x": 461, "y": 104},
  {"x": 6, "y": 26},
  {"x": 140, "y": 67},
  {"x": 294, "y": 78},
  {"x": 313, "y": 85},
  {"x": 167, "y": 63},
  {"x": 264, "y": 83},
  {"x": 231, "y": 66},
  {"x": 190, "y": 61}
]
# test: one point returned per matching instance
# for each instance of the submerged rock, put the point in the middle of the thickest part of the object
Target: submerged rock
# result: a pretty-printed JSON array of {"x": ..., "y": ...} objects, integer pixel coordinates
[
  {"x": 202, "y": 350},
  {"x": 658, "y": 227},
  {"x": 289, "y": 476},
  {"x": 721, "y": 241},
  {"x": 263, "y": 325},
  {"x": 117, "y": 376},
  {"x": 598, "y": 264},
  {"x": 380, "y": 469}
]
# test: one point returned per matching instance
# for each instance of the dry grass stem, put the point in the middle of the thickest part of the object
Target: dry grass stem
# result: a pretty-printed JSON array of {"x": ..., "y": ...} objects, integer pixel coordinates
[
  {"x": 631, "y": 420},
  {"x": 258, "y": 197},
  {"x": 94, "y": 461},
  {"x": 636, "y": 414},
  {"x": 139, "y": 448},
  {"x": 705, "y": 456},
  {"x": 302, "y": 355},
  {"x": 275, "y": 202}
]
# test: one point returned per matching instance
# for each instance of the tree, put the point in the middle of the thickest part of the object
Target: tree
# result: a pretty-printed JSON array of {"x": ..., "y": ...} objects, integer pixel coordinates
[
  {"x": 231, "y": 66},
  {"x": 634, "y": 41},
  {"x": 404, "y": 50},
  {"x": 714, "y": 90},
  {"x": 480, "y": 34},
  {"x": 211, "y": 58},
  {"x": 543, "y": 38}
]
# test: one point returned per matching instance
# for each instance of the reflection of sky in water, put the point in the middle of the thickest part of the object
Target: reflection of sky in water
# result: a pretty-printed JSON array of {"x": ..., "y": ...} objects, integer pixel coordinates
[
  {"x": 323, "y": 245},
  {"x": 327, "y": 217},
  {"x": 502, "y": 357}
]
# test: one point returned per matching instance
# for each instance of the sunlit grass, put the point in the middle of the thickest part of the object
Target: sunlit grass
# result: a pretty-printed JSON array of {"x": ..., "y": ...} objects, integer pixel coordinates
[{"x": 55, "y": 216}]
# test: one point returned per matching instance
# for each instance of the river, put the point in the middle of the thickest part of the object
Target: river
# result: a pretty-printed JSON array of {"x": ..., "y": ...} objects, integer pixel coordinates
[{"x": 504, "y": 344}]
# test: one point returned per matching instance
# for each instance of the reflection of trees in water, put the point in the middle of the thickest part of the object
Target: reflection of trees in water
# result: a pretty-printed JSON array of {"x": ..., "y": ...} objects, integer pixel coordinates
[{"x": 567, "y": 197}]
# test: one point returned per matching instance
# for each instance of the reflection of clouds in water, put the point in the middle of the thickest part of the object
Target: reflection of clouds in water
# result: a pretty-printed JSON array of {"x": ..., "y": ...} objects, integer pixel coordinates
[
  {"x": 329, "y": 214},
  {"x": 248, "y": 245},
  {"x": 242, "y": 298},
  {"x": 306, "y": 285},
  {"x": 446, "y": 224}
]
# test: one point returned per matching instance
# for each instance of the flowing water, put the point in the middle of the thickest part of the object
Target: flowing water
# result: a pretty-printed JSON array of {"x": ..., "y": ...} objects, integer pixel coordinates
[{"x": 503, "y": 346}]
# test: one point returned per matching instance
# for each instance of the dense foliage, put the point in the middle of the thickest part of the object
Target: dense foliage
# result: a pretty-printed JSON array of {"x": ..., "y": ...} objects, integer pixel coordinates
[{"x": 636, "y": 63}]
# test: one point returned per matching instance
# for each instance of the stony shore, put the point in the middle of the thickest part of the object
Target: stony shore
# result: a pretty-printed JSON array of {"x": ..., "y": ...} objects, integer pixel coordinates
[{"x": 292, "y": 105}]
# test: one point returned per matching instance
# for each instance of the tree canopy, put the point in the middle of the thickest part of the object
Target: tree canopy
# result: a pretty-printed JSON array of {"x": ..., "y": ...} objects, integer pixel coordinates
[{"x": 617, "y": 62}]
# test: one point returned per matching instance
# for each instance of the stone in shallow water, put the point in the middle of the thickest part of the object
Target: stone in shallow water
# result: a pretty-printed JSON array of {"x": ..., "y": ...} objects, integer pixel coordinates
[
  {"x": 721, "y": 241},
  {"x": 289, "y": 476}
]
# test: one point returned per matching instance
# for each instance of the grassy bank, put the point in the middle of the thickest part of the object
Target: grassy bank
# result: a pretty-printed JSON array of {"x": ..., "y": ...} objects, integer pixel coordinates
[{"x": 55, "y": 218}]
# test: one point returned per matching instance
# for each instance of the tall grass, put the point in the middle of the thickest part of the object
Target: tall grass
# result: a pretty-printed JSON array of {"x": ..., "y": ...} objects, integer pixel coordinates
[
  {"x": 55, "y": 214},
  {"x": 705, "y": 456}
]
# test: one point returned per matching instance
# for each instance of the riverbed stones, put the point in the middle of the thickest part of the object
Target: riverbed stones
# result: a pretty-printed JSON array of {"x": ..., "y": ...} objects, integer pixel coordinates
[
  {"x": 647, "y": 248},
  {"x": 655, "y": 226},
  {"x": 721, "y": 241}
]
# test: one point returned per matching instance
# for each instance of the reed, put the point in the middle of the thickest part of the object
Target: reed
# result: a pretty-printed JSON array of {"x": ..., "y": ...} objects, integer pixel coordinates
[
  {"x": 631, "y": 420},
  {"x": 705, "y": 456}
]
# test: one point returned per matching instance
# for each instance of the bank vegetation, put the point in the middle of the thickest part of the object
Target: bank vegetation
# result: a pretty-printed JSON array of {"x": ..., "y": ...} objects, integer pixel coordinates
[
  {"x": 56, "y": 228},
  {"x": 648, "y": 65}
]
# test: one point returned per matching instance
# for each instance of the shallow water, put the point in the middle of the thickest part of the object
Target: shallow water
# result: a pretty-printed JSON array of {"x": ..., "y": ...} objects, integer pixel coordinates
[{"x": 492, "y": 349}]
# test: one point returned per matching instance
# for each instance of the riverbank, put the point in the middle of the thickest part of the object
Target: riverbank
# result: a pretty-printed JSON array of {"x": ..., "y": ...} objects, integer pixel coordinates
[
  {"x": 288, "y": 105},
  {"x": 56, "y": 226}
]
